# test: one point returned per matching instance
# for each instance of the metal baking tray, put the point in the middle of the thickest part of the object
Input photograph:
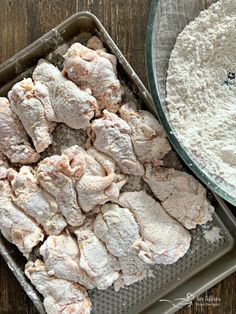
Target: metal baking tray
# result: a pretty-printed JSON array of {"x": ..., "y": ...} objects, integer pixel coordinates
[{"x": 205, "y": 264}]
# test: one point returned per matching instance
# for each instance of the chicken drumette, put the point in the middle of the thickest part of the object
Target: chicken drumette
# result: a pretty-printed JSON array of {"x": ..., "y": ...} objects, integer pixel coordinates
[
  {"x": 13, "y": 138},
  {"x": 163, "y": 239},
  {"x": 15, "y": 226},
  {"x": 95, "y": 71},
  {"x": 34, "y": 201},
  {"x": 117, "y": 228},
  {"x": 148, "y": 136},
  {"x": 63, "y": 100},
  {"x": 182, "y": 196},
  {"x": 61, "y": 256},
  {"x": 30, "y": 111},
  {"x": 60, "y": 296},
  {"x": 95, "y": 259},
  {"x": 57, "y": 174},
  {"x": 112, "y": 137}
]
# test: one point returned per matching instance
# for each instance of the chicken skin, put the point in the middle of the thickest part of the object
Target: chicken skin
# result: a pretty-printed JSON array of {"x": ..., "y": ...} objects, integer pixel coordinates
[
  {"x": 117, "y": 228},
  {"x": 181, "y": 195},
  {"x": 15, "y": 226},
  {"x": 148, "y": 136},
  {"x": 112, "y": 137},
  {"x": 95, "y": 259},
  {"x": 164, "y": 240},
  {"x": 61, "y": 256},
  {"x": 34, "y": 201},
  {"x": 4, "y": 166},
  {"x": 100, "y": 183},
  {"x": 55, "y": 175},
  {"x": 95, "y": 43},
  {"x": 93, "y": 70},
  {"x": 30, "y": 111},
  {"x": 13, "y": 138},
  {"x": 60, "y": 296},
  {"x": 63, "y": 100}
]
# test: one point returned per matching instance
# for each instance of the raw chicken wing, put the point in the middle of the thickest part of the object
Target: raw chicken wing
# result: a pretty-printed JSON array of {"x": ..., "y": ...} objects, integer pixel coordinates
[
  {"x": 13, "y": 138},
  {"x": 30, "y": 111},
  {"x": 112, "y": 137},
  {"x": 61, "y": 256},
  {"x": 95, "y": 259},
  {"x": 182, "y": 196},
  {"x": 95, "y": 71},
  {"x": 60, "y": 296},
  {"x": 99, "y": 183},
  {"x": 148, "y": 136},
  {"x": 63, "y": 100},
  {"x": 4, "y": 166},
  {"x": 15, "y": 226},
  {"x": 95, "y": 43},
  {"x": 117, "y": 228},
  {"x": 55, "y": 174},
  {"x": 34, "y": 201},
  {"x": 164, "y": 240}
]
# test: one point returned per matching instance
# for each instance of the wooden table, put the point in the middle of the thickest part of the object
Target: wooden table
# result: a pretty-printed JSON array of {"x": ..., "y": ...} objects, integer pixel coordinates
[{"x": 23, "y": 21}]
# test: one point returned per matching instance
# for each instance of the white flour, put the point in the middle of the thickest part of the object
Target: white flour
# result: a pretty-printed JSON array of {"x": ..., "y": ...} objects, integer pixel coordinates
[
  {"x": 212, "y": 235},
  {"x": 201, "y": 90}
]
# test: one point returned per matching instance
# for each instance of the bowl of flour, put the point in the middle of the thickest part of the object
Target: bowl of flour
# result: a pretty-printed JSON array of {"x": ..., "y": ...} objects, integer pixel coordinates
[{"x": 191, "y": 60}]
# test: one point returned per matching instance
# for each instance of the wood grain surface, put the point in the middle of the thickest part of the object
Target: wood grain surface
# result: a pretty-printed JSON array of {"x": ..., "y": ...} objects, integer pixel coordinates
[{"x": 23, "y": 21}]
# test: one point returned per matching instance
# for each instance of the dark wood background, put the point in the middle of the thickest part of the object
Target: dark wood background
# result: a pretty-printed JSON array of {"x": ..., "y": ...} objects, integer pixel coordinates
[{"x": 23, "y": 21}]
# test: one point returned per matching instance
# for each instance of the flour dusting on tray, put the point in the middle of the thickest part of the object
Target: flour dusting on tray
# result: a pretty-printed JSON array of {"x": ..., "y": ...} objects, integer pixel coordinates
[{"x": 212, "y": 235}]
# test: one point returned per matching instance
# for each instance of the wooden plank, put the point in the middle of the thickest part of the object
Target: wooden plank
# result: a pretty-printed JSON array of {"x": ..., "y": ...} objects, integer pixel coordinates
[{"x": 13, "y": 31}]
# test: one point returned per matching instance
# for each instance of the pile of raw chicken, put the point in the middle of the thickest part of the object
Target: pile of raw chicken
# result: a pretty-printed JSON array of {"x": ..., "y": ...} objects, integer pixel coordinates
[{"x": 100, "y": 214}]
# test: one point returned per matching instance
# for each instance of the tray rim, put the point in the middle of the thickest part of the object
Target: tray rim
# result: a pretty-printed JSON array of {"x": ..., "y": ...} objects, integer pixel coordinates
[
  {"x": 148, "y": 101},
  {"x": 179, "y": 148}
]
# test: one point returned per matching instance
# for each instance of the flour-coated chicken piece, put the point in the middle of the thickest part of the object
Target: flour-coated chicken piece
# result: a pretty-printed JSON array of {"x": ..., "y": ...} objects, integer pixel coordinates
[
  {"x": 148, "y": 136},
  {"x": 95, "y": 71},
  {"x": 56, "y": 175},
  {"x": 181, "y": 195},
  {"x": 117, "y": 228},
  {"x": 63, "y": 100},
  {"x": 100, "y": 183},
  {"x": 61, "y": 256},
  {"x": 34, "y": 201},
  {"x": 30, "y": 111},
  {"x": 95, "y": 43},
  {"x": 13, "y": 137},
  {"x": 15, "y": 225},
  {"x": 60, "y": 296},
  {"x": 164, "y": 240},
  {"x": 4, "y": 166},
  {"x": 113, "y": 137},
  {"x": 95, "y": 259}
]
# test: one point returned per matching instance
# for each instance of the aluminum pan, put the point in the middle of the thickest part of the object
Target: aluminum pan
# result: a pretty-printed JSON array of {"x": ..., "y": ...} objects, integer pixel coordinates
[{"x": 201, "y": 268}]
